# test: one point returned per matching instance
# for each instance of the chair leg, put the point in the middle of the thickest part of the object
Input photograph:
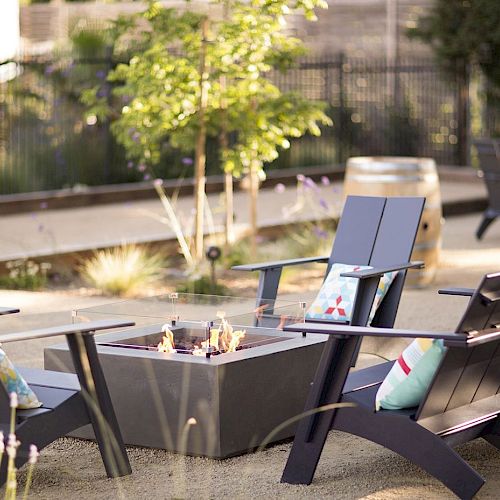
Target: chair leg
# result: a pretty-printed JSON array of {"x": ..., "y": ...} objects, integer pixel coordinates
[
  {"x": 365, "y": 295},
  {"x": 100, "y": 407},
  {"x": 267, "y": 290},
  {"x": 326, "y": 389},
  {"x": 413, "y": 442},
  {"x": 485, "y": 222}
]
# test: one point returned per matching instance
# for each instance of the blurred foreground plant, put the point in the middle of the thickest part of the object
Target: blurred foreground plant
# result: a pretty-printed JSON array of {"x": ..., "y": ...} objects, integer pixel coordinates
[
  {"x": 11, "y": 450},
  {"x": 123, "y": 270}
]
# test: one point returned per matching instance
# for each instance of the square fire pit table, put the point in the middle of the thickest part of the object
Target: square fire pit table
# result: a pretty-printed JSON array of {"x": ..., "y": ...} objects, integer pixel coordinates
[{"x": 201, "y": 400}]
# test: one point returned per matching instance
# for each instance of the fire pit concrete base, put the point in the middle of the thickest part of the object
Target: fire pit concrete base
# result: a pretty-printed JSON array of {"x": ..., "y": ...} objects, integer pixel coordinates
[{"x": 236, "y": 399}]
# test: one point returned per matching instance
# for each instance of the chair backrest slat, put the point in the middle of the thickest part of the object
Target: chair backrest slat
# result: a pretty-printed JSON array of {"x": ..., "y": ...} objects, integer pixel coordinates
[
  {"x": 483, "y": 310},
  {"x": 472, "y": 375},
  {"x": 397, "y": 231},
  {"x": 490, "y": 383},
  {"x": 465, "y": 374},
  {"x": 488, "y": 151},
  {"x": 378, "y": 231},
  {"x": 357, "y": 230},
  {"x": 444, "y": 383},
  {"x": 394, "y": 245}
]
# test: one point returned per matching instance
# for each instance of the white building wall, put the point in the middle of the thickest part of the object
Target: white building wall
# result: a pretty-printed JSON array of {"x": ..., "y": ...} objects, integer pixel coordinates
[{"x": 9, "y": 29}]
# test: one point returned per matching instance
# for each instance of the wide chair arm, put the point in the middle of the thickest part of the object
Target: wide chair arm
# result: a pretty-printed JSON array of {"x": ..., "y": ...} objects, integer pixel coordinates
[
  {"x": 8, "y": 310},
  {"x": 380, "y": 271},
  {"x": 270, "y": 274},
  {"x": 463, "y": 292},
  {"x": 368, "y": 331},
  {"x": 82, "y": 328},
  {"x": 450, "y": 339},
  {"x": 279, "y": 264}
]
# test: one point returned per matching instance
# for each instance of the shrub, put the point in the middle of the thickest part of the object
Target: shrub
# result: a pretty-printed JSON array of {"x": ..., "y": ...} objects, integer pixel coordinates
[
  {"x": 123, "y": 270},
  {"x": 25, "y": 274},
  {"x": 203, "y": 286}
]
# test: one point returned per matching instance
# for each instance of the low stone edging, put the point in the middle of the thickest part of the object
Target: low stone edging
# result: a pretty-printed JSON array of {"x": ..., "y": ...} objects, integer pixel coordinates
[{"x": 118, "y": 193}]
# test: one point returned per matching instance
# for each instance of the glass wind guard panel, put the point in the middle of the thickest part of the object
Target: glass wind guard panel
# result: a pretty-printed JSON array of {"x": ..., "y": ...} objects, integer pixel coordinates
[{"x": 238, "y": 311}]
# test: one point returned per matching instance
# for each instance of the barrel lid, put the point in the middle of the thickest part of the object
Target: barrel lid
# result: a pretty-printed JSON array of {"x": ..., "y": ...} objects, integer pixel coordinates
[{"x": 391, "y": 163}]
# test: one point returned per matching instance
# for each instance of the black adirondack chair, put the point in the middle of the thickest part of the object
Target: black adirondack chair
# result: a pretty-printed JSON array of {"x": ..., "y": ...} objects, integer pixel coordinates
[
  {"x": 69, "y": 401},
  {"x": 488, "y": 151},
  {"x": 374, "y": 231},
  {"x": 461, "y": 404}
]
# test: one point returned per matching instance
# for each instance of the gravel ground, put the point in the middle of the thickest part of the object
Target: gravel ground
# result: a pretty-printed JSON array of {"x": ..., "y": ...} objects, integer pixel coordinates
[{"x": 349, "y": 468}]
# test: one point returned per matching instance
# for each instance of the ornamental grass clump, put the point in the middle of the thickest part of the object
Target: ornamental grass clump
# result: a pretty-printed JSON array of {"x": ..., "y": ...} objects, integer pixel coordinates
[{"x": 124, "y": 270}]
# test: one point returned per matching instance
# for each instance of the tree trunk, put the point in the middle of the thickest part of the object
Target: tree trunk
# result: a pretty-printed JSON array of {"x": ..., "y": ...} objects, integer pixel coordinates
[
  {"x": 229, "y": 227},
  {"x": 200, "y": 155},
  {"x": 224, "y": 144},
  {"x": 228, "y": 177}
]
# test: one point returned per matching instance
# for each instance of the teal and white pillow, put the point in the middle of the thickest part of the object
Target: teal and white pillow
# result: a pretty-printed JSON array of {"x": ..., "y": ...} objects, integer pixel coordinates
[
  {"x": 411, "y": 375},
  {"x": 14, "y": 382},
  {"x": 335, "y": 299}
]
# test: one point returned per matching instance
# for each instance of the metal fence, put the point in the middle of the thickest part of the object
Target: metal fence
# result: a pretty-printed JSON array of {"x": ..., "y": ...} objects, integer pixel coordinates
[{"x": 408, "y": 109}]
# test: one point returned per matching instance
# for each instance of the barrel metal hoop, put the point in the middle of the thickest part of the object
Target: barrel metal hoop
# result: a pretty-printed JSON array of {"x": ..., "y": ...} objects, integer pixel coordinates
[
  {"x": 391, "y": 178},
  {"x": 381, "y": 165},
  {"x": 427, "y": 245},
  {"x": 436, "y": 205}
]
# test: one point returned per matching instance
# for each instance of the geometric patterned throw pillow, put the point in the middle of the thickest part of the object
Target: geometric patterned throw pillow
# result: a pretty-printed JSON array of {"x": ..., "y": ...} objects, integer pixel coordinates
[
  {"x": 14, "y": 382},
  {"x": 410, "y": 376},
  {"x": 335, "y": 299},
  {"x": 383, "y": 286}
]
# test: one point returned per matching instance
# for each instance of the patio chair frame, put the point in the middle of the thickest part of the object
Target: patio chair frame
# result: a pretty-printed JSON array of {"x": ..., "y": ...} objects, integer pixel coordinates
[
  {"x": 68, "y": 401},
  {"x": 488, "y": 151},
  {"x": 375, "y": 231},
  {"x": 461, "y": 404}
]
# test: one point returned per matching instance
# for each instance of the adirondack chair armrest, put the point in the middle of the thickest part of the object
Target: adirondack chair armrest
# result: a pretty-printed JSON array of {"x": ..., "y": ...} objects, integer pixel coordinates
[
  {"x": 84, "y": 328},
  {"x": 363, "y": 331},
  {"x": 8, "y": 310},
  {"x": 379, "y": 271},
  {"x": 279, "y": 264},
  {"x": 464, "y": 292}
]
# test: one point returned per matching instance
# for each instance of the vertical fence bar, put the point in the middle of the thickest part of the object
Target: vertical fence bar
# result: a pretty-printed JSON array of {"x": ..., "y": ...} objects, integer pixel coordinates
[
  {"x": 108, "y": 157},
  {"x": 342, "y": 111},
  {"x": 463, "y": 118}
]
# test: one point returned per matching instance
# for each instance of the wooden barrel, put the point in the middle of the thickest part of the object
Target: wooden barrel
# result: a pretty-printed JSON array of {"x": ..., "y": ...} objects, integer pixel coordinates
[{"x": 401, "y": 176}]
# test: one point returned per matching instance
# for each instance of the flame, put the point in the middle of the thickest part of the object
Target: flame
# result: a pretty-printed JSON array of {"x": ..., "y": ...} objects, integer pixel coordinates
[
  {"x": 224, "y": 338},
  {"x": 214, "y": 339},
  {"x": 167, "y": 341}
]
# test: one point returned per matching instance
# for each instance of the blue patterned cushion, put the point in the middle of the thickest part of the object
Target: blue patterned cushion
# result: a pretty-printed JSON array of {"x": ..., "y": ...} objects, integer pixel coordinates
[
  {"x": 335, "y": 299},
  {"x": 14, "y": 382}
]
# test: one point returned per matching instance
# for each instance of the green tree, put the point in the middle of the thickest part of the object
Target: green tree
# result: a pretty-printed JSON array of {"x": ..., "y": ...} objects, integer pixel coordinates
[
  {"x": 192, "y": 75},
  {"x": 464, "y": 32}
]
